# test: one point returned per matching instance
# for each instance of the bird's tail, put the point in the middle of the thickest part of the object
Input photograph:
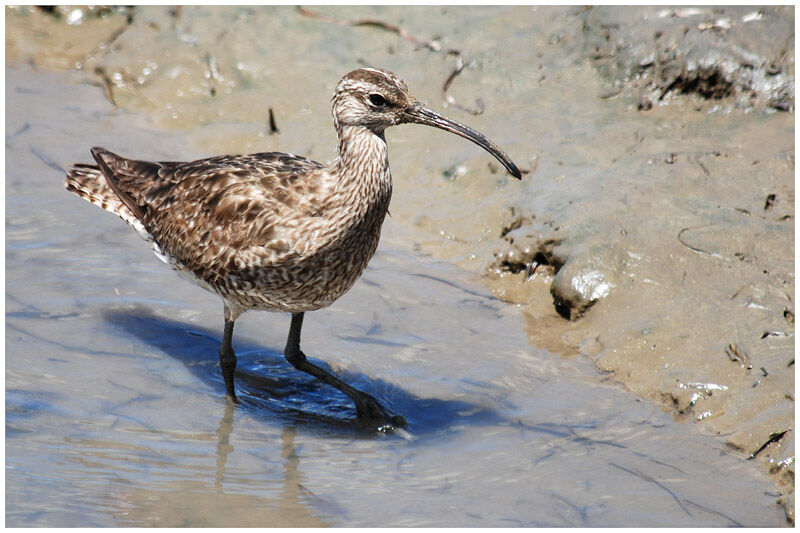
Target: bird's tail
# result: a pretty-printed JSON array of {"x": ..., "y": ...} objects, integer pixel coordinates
[{"x": 89, "y": 183}]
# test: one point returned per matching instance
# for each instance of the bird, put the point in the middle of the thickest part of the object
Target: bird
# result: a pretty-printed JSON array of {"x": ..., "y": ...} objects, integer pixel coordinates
[{"x": 276, "y": 231}]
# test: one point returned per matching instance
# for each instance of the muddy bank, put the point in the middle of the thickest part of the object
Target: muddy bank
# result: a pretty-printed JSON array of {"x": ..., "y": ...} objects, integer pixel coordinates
[
  {"x": 669, "y": 247},
  {"x": 743, "y": 55},
  {"x": 657, "y": 242}
]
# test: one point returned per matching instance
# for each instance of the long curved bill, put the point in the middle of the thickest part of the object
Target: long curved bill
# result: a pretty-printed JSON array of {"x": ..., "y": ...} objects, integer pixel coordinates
[{"x": 419, "y": 114}]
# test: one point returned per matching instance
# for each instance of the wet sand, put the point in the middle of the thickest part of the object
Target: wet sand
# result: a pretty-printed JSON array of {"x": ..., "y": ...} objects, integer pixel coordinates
[{"x": 625, "y": 200}]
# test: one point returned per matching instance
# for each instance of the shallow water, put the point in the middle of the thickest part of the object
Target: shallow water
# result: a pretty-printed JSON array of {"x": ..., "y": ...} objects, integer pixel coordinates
[{"x": 115, "y": 412}]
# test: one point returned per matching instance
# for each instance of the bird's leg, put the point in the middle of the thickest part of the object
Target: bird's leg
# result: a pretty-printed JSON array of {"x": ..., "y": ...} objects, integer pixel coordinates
[
  {"x": 227, "y": 361},
  {"x": 367, "y": 407}
]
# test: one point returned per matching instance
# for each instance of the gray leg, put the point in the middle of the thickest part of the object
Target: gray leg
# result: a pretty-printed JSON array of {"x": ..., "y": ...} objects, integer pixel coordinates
[
  {"x": 367, "y": 408},
  {"x": 227, "y": 361}
]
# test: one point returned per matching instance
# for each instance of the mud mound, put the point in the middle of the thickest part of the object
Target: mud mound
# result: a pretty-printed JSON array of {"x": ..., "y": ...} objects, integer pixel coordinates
[{"x": 654, "y": 54}]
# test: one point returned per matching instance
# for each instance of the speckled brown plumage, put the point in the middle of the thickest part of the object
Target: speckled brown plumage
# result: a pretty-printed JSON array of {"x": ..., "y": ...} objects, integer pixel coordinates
[
  {"x": 274, "y": 231},
  {"x": 265, "y": 231}
]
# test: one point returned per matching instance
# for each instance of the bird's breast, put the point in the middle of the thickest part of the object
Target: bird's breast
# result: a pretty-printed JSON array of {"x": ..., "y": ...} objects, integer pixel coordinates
[{"x": 319, "y": 259}]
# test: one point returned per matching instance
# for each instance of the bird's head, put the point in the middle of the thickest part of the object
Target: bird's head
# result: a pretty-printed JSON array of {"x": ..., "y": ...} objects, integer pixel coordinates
[{"x": 376, "y": 99}]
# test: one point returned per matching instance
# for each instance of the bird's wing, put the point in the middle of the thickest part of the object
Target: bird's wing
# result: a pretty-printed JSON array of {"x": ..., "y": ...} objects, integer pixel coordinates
[{"x": 247, "y": 208}]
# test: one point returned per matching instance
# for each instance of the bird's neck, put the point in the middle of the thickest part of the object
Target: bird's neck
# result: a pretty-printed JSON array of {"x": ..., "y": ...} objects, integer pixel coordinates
[{"x": 363, "y": 168}]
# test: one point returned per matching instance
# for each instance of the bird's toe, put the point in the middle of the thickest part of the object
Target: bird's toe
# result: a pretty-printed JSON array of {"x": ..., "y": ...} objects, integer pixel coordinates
[{"x": 373, "y": 414}]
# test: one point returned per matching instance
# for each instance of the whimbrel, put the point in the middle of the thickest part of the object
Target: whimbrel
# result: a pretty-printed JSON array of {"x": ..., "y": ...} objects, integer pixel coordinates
[{"x": 275, "y": 231}]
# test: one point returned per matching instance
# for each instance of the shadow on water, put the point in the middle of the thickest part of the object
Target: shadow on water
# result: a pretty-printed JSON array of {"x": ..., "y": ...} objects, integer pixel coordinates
[{"x": 270, "y": 388}]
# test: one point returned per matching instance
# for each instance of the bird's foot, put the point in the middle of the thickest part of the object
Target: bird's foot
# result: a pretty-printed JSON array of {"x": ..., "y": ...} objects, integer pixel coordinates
[{"x": 372, "y": 414}]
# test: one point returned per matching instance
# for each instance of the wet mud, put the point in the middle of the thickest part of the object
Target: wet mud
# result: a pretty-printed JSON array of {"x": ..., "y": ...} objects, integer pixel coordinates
[
  {"x": 741, "y": 54},
  {"x": 679, "y": 277},
  {"x": 656, "y": 240}
]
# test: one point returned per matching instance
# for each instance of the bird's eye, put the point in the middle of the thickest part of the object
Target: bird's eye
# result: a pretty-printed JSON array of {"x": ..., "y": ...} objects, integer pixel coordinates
[{"x": 377, "y": 100}]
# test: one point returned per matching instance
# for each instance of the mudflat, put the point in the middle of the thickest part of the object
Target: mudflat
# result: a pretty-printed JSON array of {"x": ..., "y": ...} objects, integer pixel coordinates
[{"x": 653, "y": 235}]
